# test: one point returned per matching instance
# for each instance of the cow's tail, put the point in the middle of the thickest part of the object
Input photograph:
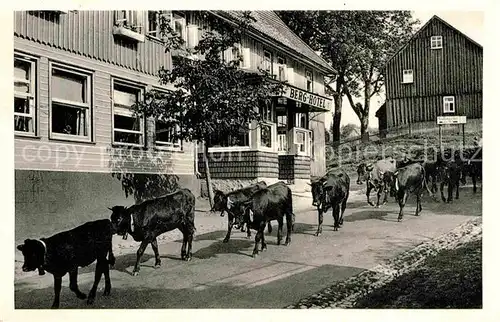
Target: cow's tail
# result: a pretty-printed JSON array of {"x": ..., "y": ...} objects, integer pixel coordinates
[{"x": 290, "y": 212}]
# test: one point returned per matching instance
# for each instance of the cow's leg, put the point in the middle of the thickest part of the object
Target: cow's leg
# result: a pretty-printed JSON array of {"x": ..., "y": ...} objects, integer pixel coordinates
[
  {"x": 73, "y": 284},
  {"x": 154, "y": 245},
  {"x": 451, "y": 183},
  {"x": 342, "y": 210},
  {"x": 474, "y": 177},
  {"x": 107, "y": 280},
  {"x": 111, "y": 256},
  {"x": 249, "y": 232},
  {"x": 336, "y": 215},
  {"x": 441, "y": 187},
  {"x": 457, "y": 194},
  {"x": 140, "y": 252},
  {"x": 402, "y": 202},
  {"x": 256, "y": 247},
  {"x": 269, "y": 228},
  {"x": 230, "y": 221},
  {"x": 320, "y": 222},
  {"x": 99, "y": 269},
  {"x": 280, "y": 230},
  {"x": 57, "y": 291},
  {"x": 385, "y": 196},
  {"x": 262, "y": 239},
  {"x": 368, "y": 190},
  {"x": 379, "y": 192},
  {"x": 242, "y": 228},
  {"x": 419, "y": 203},
  {"x": 190, "y": 243},
  {"x": 290, "y": 221}
]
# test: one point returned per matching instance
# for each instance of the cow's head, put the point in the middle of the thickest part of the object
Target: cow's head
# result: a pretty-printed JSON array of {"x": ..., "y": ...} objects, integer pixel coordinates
[
  {"x": 363, "y": 172},
  {"x": 120, "y": 220},
  {"x": 390, "y": 180},
  {"x": 317, "y": 191},
  {"x": 220, "y": 202},
  {"x": 34, "y": 253}
]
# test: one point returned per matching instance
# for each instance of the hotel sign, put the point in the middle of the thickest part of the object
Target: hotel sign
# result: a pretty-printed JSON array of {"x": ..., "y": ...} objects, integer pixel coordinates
[{"x": 307, "y": 98}]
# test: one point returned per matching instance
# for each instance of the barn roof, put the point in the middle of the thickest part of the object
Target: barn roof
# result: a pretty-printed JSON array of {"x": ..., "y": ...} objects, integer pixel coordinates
[
  {"x": 268, "y": 25},
  {"x": 435, "y": 17}
]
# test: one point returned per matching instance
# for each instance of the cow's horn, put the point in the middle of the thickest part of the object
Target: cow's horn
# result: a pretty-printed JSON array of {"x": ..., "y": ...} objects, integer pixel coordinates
[{"x": 110, "y": 208}]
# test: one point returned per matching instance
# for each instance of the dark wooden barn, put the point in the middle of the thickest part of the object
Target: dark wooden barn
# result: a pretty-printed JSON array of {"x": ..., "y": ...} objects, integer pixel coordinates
[{"x": 438, "y": 72}]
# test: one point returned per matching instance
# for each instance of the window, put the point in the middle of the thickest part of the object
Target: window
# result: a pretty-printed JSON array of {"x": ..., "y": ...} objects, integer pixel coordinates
[
  {"x": 24, "y": 96},
  {"x": 179, "y": 24},
  {"x": 407, "y": 76},
  {"x": 127, "y": 128},
  {"x": 268, "y": 62},
  {"x": 154, "y": 24},
  {"x": 282, "y": 70},
  {"x": 130, "y": 19},
  {"x": 267, "y": 112},
  {"x": 241, "y": 139},
  {"x": 70, "y": 103},
  {"x": 436, "y": 42},
  {"x": 449, "y": 104},
  {"x": 300, "y": 140},
  {"x": 164, "y": 135},
  {"x": 302, "y": 120},
  {"x": 266, "y": 137},
  {"x": 309, "y": 81}
]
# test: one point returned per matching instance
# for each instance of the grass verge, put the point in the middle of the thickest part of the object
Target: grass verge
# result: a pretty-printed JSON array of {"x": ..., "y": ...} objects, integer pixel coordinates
[{"x": 449, "y": 279}]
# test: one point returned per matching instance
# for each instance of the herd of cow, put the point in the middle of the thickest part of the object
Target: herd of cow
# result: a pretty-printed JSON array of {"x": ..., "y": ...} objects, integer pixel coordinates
[{"x": 253, "y": 207}]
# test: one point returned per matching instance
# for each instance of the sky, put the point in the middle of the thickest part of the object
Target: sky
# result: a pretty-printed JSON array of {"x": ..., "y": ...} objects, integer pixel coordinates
[{"x": 468, "y": 22}]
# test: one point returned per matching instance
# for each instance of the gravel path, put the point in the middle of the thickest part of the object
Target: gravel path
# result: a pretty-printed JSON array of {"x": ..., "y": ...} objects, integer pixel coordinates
[{"x": 345, "y": 294}]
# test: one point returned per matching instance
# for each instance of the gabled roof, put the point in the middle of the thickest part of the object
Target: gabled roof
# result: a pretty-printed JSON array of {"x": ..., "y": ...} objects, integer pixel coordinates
[
  {"x": 435, "y": 17},
  {"x": 271, "y": 27}
]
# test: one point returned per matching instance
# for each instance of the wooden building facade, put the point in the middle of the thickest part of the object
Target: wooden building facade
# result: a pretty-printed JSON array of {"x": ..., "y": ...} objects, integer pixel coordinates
[
  {"x": 76, "y": 74},
  {"x": 438, "y": 72}
]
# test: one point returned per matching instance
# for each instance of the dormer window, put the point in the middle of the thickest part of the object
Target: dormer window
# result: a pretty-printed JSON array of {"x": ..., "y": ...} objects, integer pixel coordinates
[
  {"x": 436, "y": 42},
  {"x": 407, "y": 76},
  {"x": 268, "y": 62}
]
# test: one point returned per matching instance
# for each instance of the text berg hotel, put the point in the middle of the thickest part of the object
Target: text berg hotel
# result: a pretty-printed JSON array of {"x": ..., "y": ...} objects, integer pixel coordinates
[{"x": 76, "y": 75}]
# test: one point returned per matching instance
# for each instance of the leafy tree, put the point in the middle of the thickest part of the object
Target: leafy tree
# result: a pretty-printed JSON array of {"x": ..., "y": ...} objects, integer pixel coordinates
[
  {"x": 212, "y": 96},
  {"x": 349, "y": 129},
  {"x": 357, "y": 44}
]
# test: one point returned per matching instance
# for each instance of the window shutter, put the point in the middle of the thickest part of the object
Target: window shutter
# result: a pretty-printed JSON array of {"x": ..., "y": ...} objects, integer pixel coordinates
[
  {"x": 290, "y": 75},
  {"x": 193, "y": 34},
  {"x": 246, "y": 57}
]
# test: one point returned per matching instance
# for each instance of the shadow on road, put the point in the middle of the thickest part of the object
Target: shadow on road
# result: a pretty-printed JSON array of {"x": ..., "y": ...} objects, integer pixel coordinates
[
  {"x": 215, "y": 294},
  {"x": 366, "y": 215},
  {"x": 234, "y": 246}
]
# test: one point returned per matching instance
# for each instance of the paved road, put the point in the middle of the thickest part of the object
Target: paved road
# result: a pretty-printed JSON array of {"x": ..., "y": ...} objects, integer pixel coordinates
[{"x": 226, "y": 276}]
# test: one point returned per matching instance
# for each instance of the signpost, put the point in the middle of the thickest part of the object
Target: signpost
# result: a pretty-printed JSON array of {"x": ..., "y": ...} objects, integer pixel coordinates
[{"x": 451, "y": 120}]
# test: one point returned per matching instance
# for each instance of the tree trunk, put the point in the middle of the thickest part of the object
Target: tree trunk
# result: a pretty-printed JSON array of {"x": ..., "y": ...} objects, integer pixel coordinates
[
  {"x": 365, "y": 113},
  {"x": 208, "y": 178},
  {"x": 365, "y": 136},
  {"x": 337, "y": 99}
]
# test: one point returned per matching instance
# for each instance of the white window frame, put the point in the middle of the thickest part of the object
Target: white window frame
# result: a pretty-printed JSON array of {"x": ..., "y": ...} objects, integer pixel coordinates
[
  {"x": 31, "y": 97},
  {"x": 436, "y": 42},
  {"x": 235, "y": 148},
  {"x": 447, "y": 101},
  {"x": 273, "y": 137},
  {"x": 268, "y": 61},
  {"x": 133, "y": 19},
  {"x": 183, "y": 20},
  {"x": 297, "y": 120},
  {"x": 281, "y": 66},
  {"x": 309, "y": 72},
  {"x": 89, "y": 90},
  {"x": 407, "y": 76},
  {"x": 307, "y": 149},
  {"x": 161, "y": 145},
  {"x": 124, "y": 111},
  {"x": 153, "y": 33}
]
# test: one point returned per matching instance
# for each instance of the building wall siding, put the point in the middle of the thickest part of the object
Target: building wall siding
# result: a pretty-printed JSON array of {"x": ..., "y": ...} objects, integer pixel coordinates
[
  {"x": 455, "y": 70},
  {"x": 90, "y": 34},
  {"x": 98, "y": 156}
]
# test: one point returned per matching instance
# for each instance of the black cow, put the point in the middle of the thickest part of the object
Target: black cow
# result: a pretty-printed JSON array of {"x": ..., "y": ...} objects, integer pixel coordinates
[
  {"x": 148, "y": 220},
  {"x": 224, "y": 202},
  {"x": 403, "y": 182},
  {"x": 331, "y": 191},
  {"x": 66, "y": 251},
  {"x": 451, "y": 173},
  {"x": 373, "y": 175},
  {"x": 473, "y": 167},
  {"x": 271, "y": 203}
]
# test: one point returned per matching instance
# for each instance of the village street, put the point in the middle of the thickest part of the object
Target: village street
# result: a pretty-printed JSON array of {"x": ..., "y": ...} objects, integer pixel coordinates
[{"x": 226, "y": 276}]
